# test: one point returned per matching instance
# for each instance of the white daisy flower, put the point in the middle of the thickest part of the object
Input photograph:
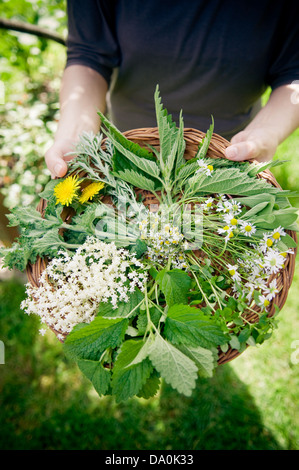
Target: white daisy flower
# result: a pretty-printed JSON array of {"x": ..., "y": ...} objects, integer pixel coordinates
[
  {"x": 204, "y": 168},
  {"x": 278, "y": 233},
  {"x": 233, "y": 271},
  {"x": 274, "y": 261},
  {"x": 208, "y": 204},
  {"x": 247, "y": 228},
  {"x": 263, "y": 302},
  {"x": 230, "y": 219},
  {"x": 271, "y": 290}
]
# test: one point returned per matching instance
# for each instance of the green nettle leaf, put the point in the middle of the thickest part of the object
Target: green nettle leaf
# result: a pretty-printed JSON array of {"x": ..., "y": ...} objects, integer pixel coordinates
[
  {"x": 231, "y": 181},
  {"x": 175, "y": 285},
  {"x": 177, "y": 369},
  {"x": 89, "y": 341},
  {"x": 116, "y": 136},
  {"x": 136, "y": 179},
  {"x": 98, "y": 375},
  {"x": 167, "y": 129},
  {"x": 128, "y": 376},
  {"x": 124, "y": 309},
  {"x": 137, "y": 155},
  {"x": 204, "y": 145},
  {"x": 188, "y": 325}
]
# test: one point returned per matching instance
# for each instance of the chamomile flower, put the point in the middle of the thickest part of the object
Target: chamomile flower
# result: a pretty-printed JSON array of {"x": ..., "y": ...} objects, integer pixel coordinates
[
  {"x": 235, "y": 207},
  {"x": 233, "y": 271},
  {"x": 271, "y": 290},
  {"x": 266, "y": 243},
  {"x": 274, "y": 261},
  {"x": 208, "y": 204},
  {"x": 247, "y": 228},
  {"x": 230, "y": 219},
  {"x": 204, "y": 167},
  {"x": 263, "y": 302},
  {"x": 278, "y": 233}
]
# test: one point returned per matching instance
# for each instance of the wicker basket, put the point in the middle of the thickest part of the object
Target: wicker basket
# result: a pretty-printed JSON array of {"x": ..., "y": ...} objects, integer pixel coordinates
[{"x": 150, "y": 136}]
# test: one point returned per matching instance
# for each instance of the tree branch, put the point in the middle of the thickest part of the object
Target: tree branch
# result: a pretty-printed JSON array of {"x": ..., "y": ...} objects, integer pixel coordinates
[{"x": 31, "y": 29}]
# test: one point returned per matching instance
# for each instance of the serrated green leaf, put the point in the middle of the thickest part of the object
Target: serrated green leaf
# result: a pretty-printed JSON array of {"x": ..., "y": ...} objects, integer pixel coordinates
[
  {"x": 97, "y": 374},
  {"x": 204, "y": 145},
  {"x": 117, "y": 136},
  {"x": 205, "y": 359},
  {"x": 124, "y": 309},
  {"x": 175, "y": 285},
  {"x": 138, "y": 180},
  {"x": 128, "y": 378},
  {"x": 188, "y": 325},
  {"x": 167, "y": 129},
  {"x": 177, "y": 369},
  {"x": 91, "y": 340},
  {"x": 151, "y": 386},
  {"x": 231, "y": 181}
]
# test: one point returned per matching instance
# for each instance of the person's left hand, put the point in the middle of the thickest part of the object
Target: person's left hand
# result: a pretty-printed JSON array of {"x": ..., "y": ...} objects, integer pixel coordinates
[{"x": 253, "y": 144}]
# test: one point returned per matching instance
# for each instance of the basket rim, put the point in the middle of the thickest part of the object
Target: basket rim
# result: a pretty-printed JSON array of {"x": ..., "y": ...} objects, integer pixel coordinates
[{"x": 150, "y": 135}]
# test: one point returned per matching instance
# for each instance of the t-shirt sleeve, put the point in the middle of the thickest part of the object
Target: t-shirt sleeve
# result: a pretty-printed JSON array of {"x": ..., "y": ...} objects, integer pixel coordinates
[
  {"x": 284, "y": 65},
  {"x": 91, "y": 39}
]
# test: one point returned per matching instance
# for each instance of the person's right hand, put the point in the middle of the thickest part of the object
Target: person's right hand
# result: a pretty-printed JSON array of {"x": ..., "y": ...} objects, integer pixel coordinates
[{"x": 55, "y": 156}]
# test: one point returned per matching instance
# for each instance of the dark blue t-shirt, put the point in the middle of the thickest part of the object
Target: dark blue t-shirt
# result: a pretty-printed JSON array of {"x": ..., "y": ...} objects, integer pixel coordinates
[{"x": 213, "y": 57}]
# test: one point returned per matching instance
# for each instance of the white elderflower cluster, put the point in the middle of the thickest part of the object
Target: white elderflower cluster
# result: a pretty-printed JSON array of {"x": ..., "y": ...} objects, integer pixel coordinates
[{"x": 71, "y": 287}]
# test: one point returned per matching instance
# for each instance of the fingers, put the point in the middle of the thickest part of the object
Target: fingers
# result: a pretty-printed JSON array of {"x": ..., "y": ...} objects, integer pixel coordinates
[
  {"x": 239, "y": 151},
  {"x": 55, "y": 162}
]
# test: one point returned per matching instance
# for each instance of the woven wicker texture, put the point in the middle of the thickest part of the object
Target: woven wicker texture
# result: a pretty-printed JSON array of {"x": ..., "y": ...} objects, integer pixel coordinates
[{"x": 150, "y": 136}]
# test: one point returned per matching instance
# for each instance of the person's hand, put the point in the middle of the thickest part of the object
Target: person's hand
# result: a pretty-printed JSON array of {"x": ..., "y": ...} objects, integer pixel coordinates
[
  {"x": 55, "y": 157},
  {"x": 253, "y": 144}
]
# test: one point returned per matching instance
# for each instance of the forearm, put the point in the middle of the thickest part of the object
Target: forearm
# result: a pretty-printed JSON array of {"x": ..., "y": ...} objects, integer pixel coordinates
[
  {"x": 281, "y": 112},
  {"x": 271, "y": 126},
  {"x": 82, "y": 95}
]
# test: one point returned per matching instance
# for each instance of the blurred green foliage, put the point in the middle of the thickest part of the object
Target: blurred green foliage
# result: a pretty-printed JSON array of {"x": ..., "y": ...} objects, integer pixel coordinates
[{"x": 30, "y": 69}]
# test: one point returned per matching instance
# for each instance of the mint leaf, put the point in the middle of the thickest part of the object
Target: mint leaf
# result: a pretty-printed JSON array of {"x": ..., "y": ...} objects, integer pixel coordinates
[
  {"x": 188, "y": 325},
  {"x": 128, "y": 376},
  {"x": 89, "y": 341},
  {"x": 151, "y": 386},
  {"x": 205, "y": 359},
  {"x": 175, "y": 285},
  {"x": 97, "y": 374},
  {"x": 177, "y": 369}
]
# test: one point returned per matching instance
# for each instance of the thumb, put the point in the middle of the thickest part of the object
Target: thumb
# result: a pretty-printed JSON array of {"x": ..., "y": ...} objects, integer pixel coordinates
[
  {"x": 55, "y": 162},
  {"x": 239, "y": 151}
]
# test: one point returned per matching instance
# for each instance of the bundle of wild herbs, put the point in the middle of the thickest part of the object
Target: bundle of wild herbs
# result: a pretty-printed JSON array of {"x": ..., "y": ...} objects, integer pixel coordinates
[{"x": 139, "y": 293}]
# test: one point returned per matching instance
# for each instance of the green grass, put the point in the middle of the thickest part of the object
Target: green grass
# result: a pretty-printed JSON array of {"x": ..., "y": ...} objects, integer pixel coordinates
[{"x": 45, "y": 402}]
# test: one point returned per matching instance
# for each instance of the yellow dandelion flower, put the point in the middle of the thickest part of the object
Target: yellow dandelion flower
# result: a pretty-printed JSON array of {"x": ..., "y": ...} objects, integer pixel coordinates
[
  {"x": 67, "y": 190},
  {"x": 90, "y": 191}
]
